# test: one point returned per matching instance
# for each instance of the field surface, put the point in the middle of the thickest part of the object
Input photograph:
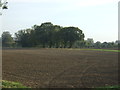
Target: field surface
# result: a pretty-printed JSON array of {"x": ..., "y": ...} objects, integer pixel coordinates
[{"x": 60, "y": 68}]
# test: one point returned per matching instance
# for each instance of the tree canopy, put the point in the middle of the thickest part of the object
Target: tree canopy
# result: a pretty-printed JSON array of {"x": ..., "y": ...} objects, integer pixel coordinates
[
  {"x": 49, "y": 35},
  {"x": 7, "y": 40}
]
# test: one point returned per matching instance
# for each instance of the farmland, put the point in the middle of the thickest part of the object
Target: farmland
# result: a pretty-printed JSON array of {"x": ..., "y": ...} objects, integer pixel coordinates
[{"x": 55, "y": 68}]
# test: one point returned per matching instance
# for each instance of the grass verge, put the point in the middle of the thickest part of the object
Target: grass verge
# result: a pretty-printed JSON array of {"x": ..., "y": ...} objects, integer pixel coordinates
[
  {"x": 97, "y": 50},
  {"x": 9, "y": 84},
  {"x": 108, "y": 88},
  {"x": 105, "y": 50}
]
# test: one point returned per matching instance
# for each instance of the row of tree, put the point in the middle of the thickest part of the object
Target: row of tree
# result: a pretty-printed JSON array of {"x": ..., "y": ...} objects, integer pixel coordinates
[
  {"x": 48, "y": 35},
  {"x": 45, "y": 35},
  {"x": 98, "y": 44}
]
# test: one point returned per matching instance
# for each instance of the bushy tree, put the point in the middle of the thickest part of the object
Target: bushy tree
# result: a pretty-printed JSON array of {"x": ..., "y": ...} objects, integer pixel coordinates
[
  {"x": 79, "y": 44},
  {"x": 49, "y": 35},
  {"x": 69, "y": 35},
  {"x": 7, "y": 40},
  {"x": 23, "y": 38},
  {"x": 89, "y": 43},
  {"x": 97, "y": 44}
]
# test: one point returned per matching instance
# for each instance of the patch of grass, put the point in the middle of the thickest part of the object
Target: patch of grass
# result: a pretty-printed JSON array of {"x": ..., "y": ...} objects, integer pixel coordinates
[
  {"x": 9, "y": 84},
  {"x": 105, "y": 50},
  {"x": 98, "y": 50},
  {"x": 108, "y": 88}
]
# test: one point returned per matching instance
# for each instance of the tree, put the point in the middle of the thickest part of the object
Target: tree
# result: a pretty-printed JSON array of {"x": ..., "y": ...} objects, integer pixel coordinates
[
  {"x": 69, "y": 35},
  {"x": 111, "y": 45},
  {"x": 117, "y": 44},
  {"x": 97, "y": 44},
  {"x": 89, "y": 42},
  {"x": 46, "y": 34},
  {"x": 50, "y": 32},
  {"x": 49, "y": 35},
  {"x": 56, "y": 37},
  {"x": 79, "y": 44},
  {"x": 104, "y": 45},
  {"x": 23, "y": 38},
  {"x": 42, "y": 33},
  {"x": 3, "y": 5},
  {"x": 7, "y": 40}
]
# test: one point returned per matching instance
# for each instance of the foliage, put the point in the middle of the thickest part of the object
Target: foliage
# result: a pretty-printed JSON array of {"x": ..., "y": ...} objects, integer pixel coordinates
[
  {"x": 79, "y": 44},
  {"x": 7, "y": 40},
  {"x": 105, "y": 45},
  {"x": 97, "y": 44},
  {"x": 69, "y": 35},
  {"x": 49, "y": 35},
  {"x": 89, "y": 43},
  {"x": 23, "y": 38},
  {"x": 9, "y": 84},
  {"x": 3, "y": 5}
]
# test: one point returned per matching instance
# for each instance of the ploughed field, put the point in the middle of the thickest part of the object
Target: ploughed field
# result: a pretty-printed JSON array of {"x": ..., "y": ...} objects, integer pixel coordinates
[{"x": 60, "y": 68}]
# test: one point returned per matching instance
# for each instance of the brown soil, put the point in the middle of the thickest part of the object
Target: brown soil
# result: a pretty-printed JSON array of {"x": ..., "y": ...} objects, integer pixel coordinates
[{"x": 60, "y": 68}]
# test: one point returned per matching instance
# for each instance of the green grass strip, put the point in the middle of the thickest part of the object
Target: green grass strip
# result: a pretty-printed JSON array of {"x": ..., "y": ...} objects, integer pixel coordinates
[
  {"x": 97, "y": 50},
  {"x": 104, "y": 50},
  {"x": 108, "y": 88},
  {"x": 9, "y": 84}
]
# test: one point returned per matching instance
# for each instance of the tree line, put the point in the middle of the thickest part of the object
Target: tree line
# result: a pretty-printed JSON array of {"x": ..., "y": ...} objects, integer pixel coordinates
[
  {"x": 44, "y": 35},
  {"x": 98, "y": 44},
  {"x": 48, "y": 35}
]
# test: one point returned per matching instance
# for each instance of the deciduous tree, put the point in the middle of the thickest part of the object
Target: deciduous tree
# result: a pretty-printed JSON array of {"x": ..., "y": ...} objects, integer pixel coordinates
[{"x": 7, "y": 40}]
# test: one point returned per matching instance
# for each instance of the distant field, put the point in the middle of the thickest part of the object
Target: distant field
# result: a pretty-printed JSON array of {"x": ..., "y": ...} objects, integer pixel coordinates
[{"x": 61, "y": 67}]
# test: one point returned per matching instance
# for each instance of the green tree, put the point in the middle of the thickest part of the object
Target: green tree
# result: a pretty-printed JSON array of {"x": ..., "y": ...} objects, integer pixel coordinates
[
  {"x": 104, "y": 45},
  {"x": 46, "y": 34},
  {"x": 49, "y": 35},
  {"x": 79, "y": 44},
  {"x": 42, "y": 33},
  {"x": 97, "y": 44},
  {"x": 89, "y": 43},
  {"x": 7, "y": 40},
  {"x": 23, "y": 38},
  {"x": 57, "y": 37},
  {"x": 69, "y": 35}
]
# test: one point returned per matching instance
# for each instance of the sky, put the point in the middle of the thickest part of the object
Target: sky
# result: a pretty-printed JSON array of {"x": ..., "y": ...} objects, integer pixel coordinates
[{"x": 98, "y": 19}]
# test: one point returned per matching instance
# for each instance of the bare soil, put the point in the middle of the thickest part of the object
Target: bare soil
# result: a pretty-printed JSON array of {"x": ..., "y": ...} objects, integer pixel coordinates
[{"x": 60, "y": 68}]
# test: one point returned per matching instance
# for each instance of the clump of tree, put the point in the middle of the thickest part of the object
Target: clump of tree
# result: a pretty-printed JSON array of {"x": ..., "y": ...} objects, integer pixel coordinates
[
  {"x": 79, "y": 44},
  {"x": 98, "y": 44},
  {"x": 7, "y": 40},
  {"x": 49, "y": 35},
  {"x": 89, "y": 43}
]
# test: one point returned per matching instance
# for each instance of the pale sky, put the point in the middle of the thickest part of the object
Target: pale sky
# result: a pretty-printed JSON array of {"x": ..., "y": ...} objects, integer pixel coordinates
[{"x": 98, "y": 19}]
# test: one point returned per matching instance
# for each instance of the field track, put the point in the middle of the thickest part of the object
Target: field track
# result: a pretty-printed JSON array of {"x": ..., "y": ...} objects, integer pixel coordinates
[{"x": 55, "y": 68}]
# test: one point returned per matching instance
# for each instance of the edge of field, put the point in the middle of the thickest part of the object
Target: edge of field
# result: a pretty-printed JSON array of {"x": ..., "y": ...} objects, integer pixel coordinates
[
  {"x": 109, "y": 50},
  {"x": 108, "y": 88},
  {"x": 10, "y": 84}
]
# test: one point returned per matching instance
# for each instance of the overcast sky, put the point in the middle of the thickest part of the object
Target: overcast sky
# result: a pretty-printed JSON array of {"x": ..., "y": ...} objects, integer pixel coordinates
[{"x": 97, "y": 18}]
